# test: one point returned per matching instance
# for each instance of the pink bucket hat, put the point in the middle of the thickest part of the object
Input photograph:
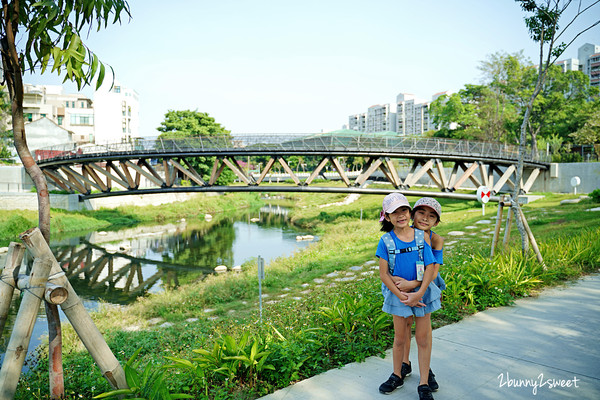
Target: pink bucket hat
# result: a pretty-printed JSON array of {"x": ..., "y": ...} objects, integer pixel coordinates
[
  {"x": 431, "y": 203},
  {"x": 392, "y": 202}
]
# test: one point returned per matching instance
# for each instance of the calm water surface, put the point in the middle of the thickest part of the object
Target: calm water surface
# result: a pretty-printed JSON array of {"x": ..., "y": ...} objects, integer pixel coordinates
[{"x": 117, "y": 267}]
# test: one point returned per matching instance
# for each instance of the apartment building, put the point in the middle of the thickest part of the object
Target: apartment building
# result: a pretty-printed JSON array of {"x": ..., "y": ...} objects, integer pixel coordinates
[
  {"x": 358, "y": 122},
  {"x": 381, "y": 118},
  {"x": 412, "y": 115},
  {"x": 408, "y": 116},
  {"x": 72, "y": 112},
  {"x": 588, "y": 62},
  {"x": 117, "y": 114}
]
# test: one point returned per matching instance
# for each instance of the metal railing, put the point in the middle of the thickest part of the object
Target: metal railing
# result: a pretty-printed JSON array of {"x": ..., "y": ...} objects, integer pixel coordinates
[{"x": 321, "y": 143}]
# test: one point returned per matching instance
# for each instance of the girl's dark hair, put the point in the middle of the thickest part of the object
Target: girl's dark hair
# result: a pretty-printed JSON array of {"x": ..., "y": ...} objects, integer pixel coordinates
[{"x": 386, "y": 226}]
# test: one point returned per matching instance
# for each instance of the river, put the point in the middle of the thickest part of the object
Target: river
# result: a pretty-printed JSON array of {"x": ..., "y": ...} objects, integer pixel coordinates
[{"x": 116, "y": 267}]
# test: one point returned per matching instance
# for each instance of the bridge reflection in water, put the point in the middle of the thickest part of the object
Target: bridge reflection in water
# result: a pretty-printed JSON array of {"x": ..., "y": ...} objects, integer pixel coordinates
[{"x": 119, "y": 266}]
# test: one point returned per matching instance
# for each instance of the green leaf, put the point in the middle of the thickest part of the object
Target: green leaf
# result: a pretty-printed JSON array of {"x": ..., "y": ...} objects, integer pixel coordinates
[
  {"x": 100, "y": 76},
  {"x": 117, "y": 392},
  {"x": 94, "y": 66}
]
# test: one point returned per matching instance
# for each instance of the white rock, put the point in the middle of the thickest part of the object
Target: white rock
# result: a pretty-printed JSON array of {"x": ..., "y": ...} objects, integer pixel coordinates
[
  {"x": 219, "y": 269},
  {"x": 484, "y": 221},
  {"x": 455, "y": 233},
  {"x": 166, "y": 325},
  {"x": 191, "y": 320},
  {"x": 237, "y": 268}
]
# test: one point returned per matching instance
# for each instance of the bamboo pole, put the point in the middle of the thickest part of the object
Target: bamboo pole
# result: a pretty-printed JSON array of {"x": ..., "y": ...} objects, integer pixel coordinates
[
  {"x": 18, "y": 345},
  {"x": 53, "y": 294},
  {"x": 509, "y": 216},
  {"x": 531, "y": 237},
  {"x": 498, "y": 224},
  {"x": 7, "y": 280},
  {"x": 77, "y": 315}
]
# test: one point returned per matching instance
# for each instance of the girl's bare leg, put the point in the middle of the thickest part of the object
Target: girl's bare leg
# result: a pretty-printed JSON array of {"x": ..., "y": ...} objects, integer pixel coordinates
[
  {"x": 409, "y": 322},
  {"x": 424, "y": 340},
  {"x": 399, "y": 340}
]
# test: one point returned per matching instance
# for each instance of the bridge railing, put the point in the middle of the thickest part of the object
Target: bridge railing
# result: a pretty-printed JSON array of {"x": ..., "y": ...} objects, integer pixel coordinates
[{"x": 304, "y": 143}]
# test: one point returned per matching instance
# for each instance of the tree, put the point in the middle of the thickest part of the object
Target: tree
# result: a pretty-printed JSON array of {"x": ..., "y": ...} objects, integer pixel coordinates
[
  {"x": 542, "y": 21},
  {"x": 194, "y": 124},
  {"x": 472, "y": 113},
  {"x": 589, "y": 133},
  {"x": 35, "y": 35}
]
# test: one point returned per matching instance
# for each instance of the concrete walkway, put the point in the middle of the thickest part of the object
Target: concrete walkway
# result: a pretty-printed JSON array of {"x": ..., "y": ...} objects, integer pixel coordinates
[{"x": 545, "y": 347}]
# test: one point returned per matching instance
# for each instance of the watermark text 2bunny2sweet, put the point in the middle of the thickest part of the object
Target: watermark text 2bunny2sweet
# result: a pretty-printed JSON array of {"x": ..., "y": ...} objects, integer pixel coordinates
[{"x": 541, "y": 382}]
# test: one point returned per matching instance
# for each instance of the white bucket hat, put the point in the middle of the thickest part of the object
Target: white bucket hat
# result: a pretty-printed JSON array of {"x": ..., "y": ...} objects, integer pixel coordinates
[{"x": 392, "y": 202}]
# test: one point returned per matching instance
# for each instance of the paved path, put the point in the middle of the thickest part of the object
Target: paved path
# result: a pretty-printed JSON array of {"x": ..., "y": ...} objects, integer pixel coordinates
[{"x": 526, "y": 351}]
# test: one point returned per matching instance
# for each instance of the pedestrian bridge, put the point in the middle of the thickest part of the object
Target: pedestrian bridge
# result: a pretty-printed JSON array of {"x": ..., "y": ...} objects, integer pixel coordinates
[{"x": 160, "y": 165}]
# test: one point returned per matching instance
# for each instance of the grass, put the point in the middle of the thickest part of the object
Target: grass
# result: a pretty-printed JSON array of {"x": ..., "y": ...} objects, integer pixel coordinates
[{"x": 319, "y": 312}]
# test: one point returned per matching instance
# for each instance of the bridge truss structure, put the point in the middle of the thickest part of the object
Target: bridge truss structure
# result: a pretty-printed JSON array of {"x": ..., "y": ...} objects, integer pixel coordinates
[{"x": 117, "y": 169}]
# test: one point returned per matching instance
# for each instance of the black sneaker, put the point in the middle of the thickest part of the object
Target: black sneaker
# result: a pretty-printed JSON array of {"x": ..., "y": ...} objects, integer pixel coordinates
[
  {"x": 431, "y": 382},
  {"x": 391, "y": 384},
  {"x": 406, "y": 370},
  {"x": 424, "y": 392}
]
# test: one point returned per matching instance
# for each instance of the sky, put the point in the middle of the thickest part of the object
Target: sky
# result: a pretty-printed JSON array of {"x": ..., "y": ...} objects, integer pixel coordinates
[{"x": 280, "y": 66}]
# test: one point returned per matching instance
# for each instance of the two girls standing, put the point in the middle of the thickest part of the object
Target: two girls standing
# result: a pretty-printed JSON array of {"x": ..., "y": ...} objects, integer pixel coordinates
[{"x": 408, "y": 269}]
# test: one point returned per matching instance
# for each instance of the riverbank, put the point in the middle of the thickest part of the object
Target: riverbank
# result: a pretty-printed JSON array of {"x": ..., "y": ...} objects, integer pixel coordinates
[
  {"x": 322, "y": 305},
  {"x": 70, "y": 223}
]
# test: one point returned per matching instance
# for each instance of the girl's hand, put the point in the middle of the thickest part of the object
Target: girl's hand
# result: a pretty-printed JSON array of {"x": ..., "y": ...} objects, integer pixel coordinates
[
  {"x": 407, "y": 286},
  {"x": 412, "y": 300}
]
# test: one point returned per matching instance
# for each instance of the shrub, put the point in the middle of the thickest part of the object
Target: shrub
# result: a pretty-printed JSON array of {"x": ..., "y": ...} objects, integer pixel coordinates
[{"x": 595, "y": 195}]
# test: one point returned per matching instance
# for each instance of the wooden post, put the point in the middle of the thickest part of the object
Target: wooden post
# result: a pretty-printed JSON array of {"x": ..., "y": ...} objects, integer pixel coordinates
[
  {"x": 509, "y": 215},
  {"x": 18, "y": 345},
  {"x": 77, "y": 315},
  {"x": 498, "y": 224},
  {"x": 531, "y": 237},
  {"x": 8, "y": 281}
]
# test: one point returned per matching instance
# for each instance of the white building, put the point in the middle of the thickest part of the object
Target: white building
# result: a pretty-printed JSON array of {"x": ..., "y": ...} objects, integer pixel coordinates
[
  {"x": 412, "y": 115},
  {"x": 358, "y": 122},
  {"x": 117, "y": 114},
  {"x": 571, "y": 64},
  {"x": 72, "y": 112},
  {"x": 381, "y": 118},
  {"x": 588, "y": 62}
]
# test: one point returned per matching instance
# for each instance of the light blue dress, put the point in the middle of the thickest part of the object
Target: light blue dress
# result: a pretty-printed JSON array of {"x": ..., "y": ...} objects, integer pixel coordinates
[{"x": 405, "y": 267}]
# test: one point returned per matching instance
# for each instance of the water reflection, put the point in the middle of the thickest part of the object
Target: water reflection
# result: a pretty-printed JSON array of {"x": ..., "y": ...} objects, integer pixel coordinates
[{"x": 119, "y": 266}]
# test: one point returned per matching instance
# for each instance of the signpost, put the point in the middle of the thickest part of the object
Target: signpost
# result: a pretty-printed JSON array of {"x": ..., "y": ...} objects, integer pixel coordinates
[
  {"x": 261, "y": 276},
  {"x": 483, "y": 196},
  {"x": 575, "y": 181}
]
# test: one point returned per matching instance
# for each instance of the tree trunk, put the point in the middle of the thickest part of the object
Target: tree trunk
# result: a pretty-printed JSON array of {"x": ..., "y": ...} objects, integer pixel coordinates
[{"x": 13, "y": 76}]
